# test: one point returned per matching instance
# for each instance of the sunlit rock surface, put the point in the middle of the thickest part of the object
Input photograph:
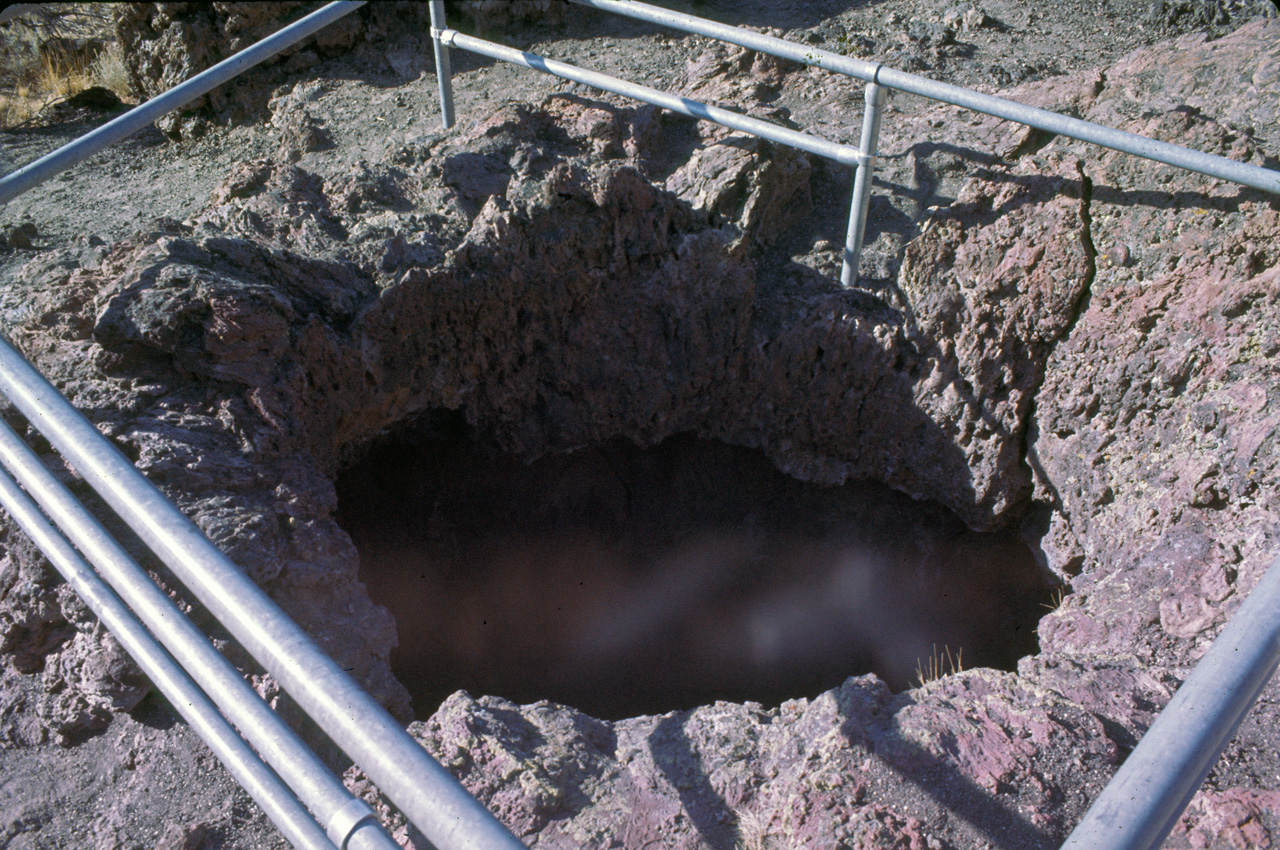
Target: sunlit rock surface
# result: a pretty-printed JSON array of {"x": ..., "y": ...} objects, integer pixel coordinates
[{"x": 1081, "y": 346}]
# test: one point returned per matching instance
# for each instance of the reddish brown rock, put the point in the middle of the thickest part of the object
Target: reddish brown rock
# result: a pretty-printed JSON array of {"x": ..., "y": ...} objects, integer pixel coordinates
[
  {"x": 992, "y": 288},
  {"x": 1155, "y": 431},
  {"x": 816, "y": 772},
  {"x": 1232, "y": 818}
]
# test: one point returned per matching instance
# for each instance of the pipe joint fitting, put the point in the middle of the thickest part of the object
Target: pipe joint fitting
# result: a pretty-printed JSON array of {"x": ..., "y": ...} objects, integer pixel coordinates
[
  {"x": 852, "y": 156},
  {"x": 349, "y": 817},
  {"x": 876, "y": 95}
]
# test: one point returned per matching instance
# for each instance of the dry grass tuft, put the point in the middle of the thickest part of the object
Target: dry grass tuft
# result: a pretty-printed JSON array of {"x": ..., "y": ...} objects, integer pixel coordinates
[
  {"x": 938, "y": 665},
  {"x": 1059, "y": 596},
  {"x": 753, "y": 831},
  {"x": 51, "y": 80},
  {"x": 53, "y": 51},
  {"x": 109, "y": 72}
]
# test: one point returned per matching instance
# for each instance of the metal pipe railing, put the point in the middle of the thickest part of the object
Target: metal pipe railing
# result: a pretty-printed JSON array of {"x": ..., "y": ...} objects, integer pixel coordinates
[
  {"x": 14, "y": 10},
  {"x": 183, "y": 694},
  {"x": 1209, "y": 165},
  {"x": 444, "y": 71},
  {"x": 349, "y": 822},
  {"x": 875, "y": 98},
  {"x": 433, "y": 800},
  {"x": 1143, "y": 800},
  {"x": 844, "y": 154},
  {"x": 875, "y": 74},
  {"x": 428, "y": 795},
  {"x": 35, "y": 173}
]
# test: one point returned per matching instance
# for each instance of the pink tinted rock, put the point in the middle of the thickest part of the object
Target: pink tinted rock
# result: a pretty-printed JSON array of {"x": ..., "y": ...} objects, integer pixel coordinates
[{"x": 1239, "y": 818}]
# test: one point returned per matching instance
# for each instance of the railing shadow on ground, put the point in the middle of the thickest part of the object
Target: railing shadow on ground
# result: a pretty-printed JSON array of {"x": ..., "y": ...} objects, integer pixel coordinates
[
  {"x": 673, "y": 754},
  {"x": 715, "y": 821}
]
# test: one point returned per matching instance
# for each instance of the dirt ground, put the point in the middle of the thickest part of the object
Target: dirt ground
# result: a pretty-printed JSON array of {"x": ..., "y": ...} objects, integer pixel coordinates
[
  {"x": 145, "y": 781},
  {"x": 371, "y": 106}
]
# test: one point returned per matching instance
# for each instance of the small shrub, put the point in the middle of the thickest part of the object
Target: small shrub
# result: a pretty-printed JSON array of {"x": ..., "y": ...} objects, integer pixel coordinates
[
  {"x": 51, "y": 53},
  {"x": 109, "y": 72}
]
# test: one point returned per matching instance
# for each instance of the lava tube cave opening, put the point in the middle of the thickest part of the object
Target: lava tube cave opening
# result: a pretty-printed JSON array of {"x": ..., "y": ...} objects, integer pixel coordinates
[{"x": 623, "y": 580}]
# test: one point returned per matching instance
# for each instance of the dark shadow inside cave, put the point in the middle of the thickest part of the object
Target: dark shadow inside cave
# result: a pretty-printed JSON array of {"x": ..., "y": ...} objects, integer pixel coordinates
[{"x": 623, "y": 580}]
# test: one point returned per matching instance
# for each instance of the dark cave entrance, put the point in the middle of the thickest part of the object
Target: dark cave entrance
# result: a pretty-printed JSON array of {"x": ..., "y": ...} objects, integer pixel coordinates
[{"x": 623, "y": 581}]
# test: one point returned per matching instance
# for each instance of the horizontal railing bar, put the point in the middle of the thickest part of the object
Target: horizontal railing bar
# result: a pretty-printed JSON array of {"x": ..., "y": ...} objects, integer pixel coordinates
[
  {"x": 846, "y": 154},
  {"x": 183, "y": 694},
  {"x": 1143, "y": 800},
  {"x": 1209, "y": 165},
  {"x": 72, "y": 153},
  {"x": 433, "y": 800},
  {"x": 278, "y": 744},
  {"x": 848, "y": 65}
]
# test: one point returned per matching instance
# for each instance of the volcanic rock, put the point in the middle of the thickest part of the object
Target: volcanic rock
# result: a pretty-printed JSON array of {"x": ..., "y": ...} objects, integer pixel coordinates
[{"x": 1072, "y": 342}]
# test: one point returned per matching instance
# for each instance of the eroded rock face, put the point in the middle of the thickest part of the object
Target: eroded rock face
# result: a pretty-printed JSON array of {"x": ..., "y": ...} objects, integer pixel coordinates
[
  {"x": 1156, "y": 427},
  {"x": 992, "y": 287},
  {"x": 239, "y": 356},
  {"x": 1155, "y": 432}
]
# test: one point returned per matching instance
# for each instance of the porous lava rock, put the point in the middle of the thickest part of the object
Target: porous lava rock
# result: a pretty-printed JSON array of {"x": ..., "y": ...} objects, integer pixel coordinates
[
  {"x": 992, "y": 288},
  {"x": 164, "y": 44},
  {"x": 809, "y": 773},
  {"x": 1155, "y": 434},
  {"x": 241, "y": 356}
]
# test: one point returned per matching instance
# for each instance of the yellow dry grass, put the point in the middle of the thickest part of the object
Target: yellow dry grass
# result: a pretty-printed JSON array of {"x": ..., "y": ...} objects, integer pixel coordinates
[
  {"x": 938, "y": 665},
  {"x": 42, "y": 75}
]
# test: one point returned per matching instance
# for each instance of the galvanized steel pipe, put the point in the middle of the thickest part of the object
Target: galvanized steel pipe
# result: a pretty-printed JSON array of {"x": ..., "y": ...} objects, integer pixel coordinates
[
  {"x": 1143, "y": 800},
  {"x": 846, "y": 154},
  {"x": 430, "y": 797},
  {"x": 35, "y": 173},
  {"x": 875, "y": 97},
  {"x": 760, "y": 42},
  {"x": 350, "y": 823},
  {"x": 444, "y": 70},
  {"x": 262, "y": 785},
  {"x": 1042, "y": 119}
]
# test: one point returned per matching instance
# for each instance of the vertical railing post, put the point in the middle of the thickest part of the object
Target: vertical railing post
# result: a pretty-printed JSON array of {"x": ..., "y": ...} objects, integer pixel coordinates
[
  {"x": 876, "y": 97},
  {"x": 444, "y": 74}
]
